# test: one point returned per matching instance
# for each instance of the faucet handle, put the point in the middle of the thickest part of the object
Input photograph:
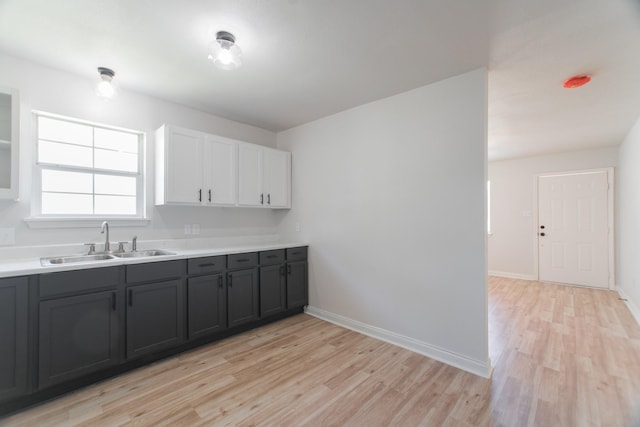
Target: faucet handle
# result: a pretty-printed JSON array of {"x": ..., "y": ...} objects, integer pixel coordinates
[
  {"x": 121, "y": 246},
  {"x": 134, "y": 244},
  {"x": 92, "y": 248}
]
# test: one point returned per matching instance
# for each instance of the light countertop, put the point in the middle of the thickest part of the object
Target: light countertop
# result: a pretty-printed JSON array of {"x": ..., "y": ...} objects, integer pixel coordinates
[{"x": 31, "y": 265}]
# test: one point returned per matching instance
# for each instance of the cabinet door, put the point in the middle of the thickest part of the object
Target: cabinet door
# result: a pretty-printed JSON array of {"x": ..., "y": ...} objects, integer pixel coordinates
[
  {"x": 206, "y": 305},
  {"x": 78, "y": 335},
  {"x": 277, "y": 178},
  {"x": 155, "y": 317},
  {"x": 297, "y": 288},
  {"x": 183, "y": 175},
  {"x": 13, "y": 332},
  {"x": 242, "y": 296},
  {"x": 250, "y": 175},
  {"x": 220, "y": 172},
  {"x": 272, "y": 290}
]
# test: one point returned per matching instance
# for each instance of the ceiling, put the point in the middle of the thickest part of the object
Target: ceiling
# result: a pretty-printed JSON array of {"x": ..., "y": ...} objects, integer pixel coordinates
[{"x": 306, "y": 59}]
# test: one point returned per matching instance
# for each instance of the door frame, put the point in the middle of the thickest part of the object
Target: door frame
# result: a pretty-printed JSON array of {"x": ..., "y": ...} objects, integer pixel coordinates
[{"x": 610, "y": 218}]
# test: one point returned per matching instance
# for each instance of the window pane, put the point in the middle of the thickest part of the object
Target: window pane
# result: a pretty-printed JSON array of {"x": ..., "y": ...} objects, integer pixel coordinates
[
  {"x": 115, "y": 205},
  {"x": 67, "y": 182},
  {"x": 116, "y": 160},
  {"x": 63, "y": 131},
  {"x": 64, "y": 154},
  {"x": 116, "y": 185},
  {"x": 116, "y": 140},
  {"x": 74, "y": 204}
]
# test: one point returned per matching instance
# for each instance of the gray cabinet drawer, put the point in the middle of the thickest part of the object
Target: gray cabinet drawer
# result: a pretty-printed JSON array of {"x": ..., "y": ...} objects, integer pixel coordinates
[
  {"x": 246, "y": 260},
  {"x": 272, "y": 257},
  {"x": 297, "y": 254},
  {"x": 210, "y": 264},
  {"x": 78, "y": 281},
  {"x": 154, "y": 271}
]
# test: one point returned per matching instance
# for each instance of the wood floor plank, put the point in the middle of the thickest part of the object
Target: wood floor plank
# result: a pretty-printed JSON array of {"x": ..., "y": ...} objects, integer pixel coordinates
[{"x": 562, "y": 356}]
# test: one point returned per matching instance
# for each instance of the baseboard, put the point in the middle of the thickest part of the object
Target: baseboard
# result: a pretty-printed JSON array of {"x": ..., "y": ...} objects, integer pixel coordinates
[
  {"x": 633, "y": 308},
  {"x": 476, "y": 367},
  {"x": 508, "y": 275}
]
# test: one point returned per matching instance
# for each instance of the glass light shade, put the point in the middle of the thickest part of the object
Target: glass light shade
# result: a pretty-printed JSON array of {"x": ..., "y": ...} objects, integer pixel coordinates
[
  {"x": 105, "y": 87},
  {"x": 225, "y": 54}
]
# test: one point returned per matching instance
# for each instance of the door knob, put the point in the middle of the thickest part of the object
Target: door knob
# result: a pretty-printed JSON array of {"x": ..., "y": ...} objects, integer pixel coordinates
[
  {"x": 542, "y": 226},
  {"x": 542, "y": 234}
]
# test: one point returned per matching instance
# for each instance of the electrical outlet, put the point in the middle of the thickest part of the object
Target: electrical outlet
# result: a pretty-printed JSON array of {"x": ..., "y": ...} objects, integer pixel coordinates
[
  {"x": 195, "y": 229},
  {"x": 7, "y": 236},
  {"x": 187, "y": 229},
  {"x": 297, "y": 227}
]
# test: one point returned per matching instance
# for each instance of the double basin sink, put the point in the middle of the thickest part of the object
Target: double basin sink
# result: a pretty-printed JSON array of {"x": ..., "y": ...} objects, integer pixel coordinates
[{"x": 75, "y": 259}]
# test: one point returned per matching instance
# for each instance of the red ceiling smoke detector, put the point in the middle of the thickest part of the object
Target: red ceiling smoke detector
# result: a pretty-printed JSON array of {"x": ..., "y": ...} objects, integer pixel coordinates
[{"x": 576, "y": 81}]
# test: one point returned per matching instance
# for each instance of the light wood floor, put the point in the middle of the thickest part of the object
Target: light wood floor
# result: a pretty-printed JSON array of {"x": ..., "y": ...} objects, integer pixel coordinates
[{"x": 563, "y": 356}]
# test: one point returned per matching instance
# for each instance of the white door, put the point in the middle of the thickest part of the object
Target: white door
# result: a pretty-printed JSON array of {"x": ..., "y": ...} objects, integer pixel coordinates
[
  {"x": 184, "y": 167},
  {"x": 220, "y": 171},
  {"x": 573, "y": 228},
  {"x": 277, "y": 178},
  {"x": 250, "y": 175}
]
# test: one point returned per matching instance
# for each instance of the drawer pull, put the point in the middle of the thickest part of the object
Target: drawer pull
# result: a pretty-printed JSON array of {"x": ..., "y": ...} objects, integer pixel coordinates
[
  {"x": 288, "y": 268},
  {"x": 230, "y": 280},
  {"x": 243, "y": 260},
  {"x": 130, "y": 297},
  {"x": 272, "y": 256},
  {"x": 113, "y": 301},
  {"x": 220, "y": 280},
  {"x": 207, "y": 264}
]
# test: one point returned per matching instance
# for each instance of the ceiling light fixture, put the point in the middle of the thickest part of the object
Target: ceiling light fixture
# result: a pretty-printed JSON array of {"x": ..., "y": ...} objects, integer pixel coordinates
[
  {"x": 105, "y": 87},
  {"x": 576, "y": 81},
  {"x": 224, "y": 52}
]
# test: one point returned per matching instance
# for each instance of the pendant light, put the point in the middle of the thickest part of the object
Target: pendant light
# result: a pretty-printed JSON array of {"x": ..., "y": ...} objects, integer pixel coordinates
[
  {"x": 224, "y": 52},
  {"x": 105, "y": 87}
]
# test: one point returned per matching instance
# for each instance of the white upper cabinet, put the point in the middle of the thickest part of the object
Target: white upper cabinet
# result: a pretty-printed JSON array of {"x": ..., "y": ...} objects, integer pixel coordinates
[
  {"x": 277, "y": 178},
  {"x": 264, "y": 177},
  {"x": 220, "y": 170},
  {"x": 9, "y": 144},
  {"x": 250, "y": 175},
  {"x": 195, "y": 168}
]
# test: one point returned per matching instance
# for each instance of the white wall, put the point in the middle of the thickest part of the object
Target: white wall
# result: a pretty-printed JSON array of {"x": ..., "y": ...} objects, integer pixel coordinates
[
  {"x": 391, "y": 196},
  {"x": 58, "y": 92},
  {"x": 628, "y": 220},
  {"x": 513, "y": 244}
]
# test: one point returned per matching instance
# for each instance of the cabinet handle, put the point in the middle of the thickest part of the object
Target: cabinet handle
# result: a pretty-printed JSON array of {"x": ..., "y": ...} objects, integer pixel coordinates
[
  {"x": 269, "y": 198},
  {"x": 200, "y": 195},
  {"x": 130, "y": 298},
  {"x": 243, "y": 260},
  {"x": 282, "y": 270},
  {"x": 230, "y": 280},
  {"x": 272, "y": 256},
  {"x": 209, "y": 196},
  {"x": 113, "y": 301},
  {"x": 262, "y": 199},
  {"x": 220, "y": 281},
  {"x": 288, "y": 268},
  {"x": 207, "y": 264}
]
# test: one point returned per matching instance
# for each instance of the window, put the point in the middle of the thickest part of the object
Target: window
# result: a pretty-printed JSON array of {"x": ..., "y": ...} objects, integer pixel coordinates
[{"x": 85, "y": 170}]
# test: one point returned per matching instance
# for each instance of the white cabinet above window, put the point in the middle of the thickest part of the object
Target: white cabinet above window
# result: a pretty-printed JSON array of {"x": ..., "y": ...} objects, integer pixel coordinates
[{"x": 199, "y": 169}]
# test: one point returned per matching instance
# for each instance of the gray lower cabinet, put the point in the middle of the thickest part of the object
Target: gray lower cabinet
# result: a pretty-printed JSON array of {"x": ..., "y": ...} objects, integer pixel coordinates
[
  {"x": 13, "y": 330},
  {"x": 297, "y": 294},
  {"x": 242, "y": 296},
  {"x": 155, "y": 317},
  {"x": 77, "y": 335},
  {"x": 273, "y": 290},
  {"x": 207, "y": 304}
]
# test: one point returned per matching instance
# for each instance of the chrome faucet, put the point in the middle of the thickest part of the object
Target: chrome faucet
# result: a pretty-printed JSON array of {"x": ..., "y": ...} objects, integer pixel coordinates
[
  {"x": 107, "y": 245},
  {"x": 134, "y": 244}
]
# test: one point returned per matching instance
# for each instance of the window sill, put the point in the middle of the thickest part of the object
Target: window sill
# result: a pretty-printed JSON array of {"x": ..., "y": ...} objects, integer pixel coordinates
[{"x": 70, "y": 222}]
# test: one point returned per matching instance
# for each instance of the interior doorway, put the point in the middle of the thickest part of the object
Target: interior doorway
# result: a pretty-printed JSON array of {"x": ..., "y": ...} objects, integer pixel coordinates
[{"x": 575, "y": 228}]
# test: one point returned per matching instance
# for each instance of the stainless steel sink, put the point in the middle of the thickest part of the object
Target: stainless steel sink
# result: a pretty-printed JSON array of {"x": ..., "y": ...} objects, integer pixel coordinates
[
  {"x": 74, "y": 259},
  {"x": 141, "y": 254}
]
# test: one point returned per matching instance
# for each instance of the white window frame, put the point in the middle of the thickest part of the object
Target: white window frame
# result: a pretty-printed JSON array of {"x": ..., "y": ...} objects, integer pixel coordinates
[{"x": 40, "y": 220}]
